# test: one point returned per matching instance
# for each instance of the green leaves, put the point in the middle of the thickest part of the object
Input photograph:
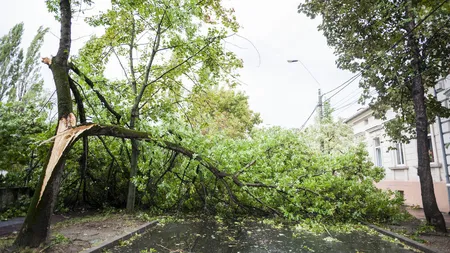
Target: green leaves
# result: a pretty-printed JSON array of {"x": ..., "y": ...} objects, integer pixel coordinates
[
  {"x": 23, "y": 107},
  {"x": 221, "y": 110},
  {"x": 22, "y": 127},
  {"x": 162, "y": 47},
  {"x": 306, "y": 182},
  {"x": 19, "y": 72}
]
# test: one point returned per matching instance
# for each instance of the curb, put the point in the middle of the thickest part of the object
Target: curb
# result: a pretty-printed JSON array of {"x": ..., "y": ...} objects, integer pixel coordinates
[
  {"x": 108, "y": 244},
  {"x": 403, "y": 239}
]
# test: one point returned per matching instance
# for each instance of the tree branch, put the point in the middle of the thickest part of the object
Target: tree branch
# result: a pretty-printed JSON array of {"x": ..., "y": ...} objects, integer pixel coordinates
[
  {"x": 155, "y": 48},
  {"x": 121, "y": 65},
  {"x": 133, "y": 75},
  {"x": 78, "y": 100},
  {"x": 77, "y": 71}
]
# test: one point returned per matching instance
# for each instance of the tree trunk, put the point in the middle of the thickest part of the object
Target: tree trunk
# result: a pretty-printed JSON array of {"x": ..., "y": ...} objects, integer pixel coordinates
[
  {"x": 131, "y": 197},
  {"x": 133, "y": 172},
  {"x": 83, "y": 169},
  {"x": 35, "y": 228},
  {"x": 432, "y": 213}
]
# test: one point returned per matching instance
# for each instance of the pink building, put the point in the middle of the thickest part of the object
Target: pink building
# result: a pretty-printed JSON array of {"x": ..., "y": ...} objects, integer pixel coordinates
[{"x": 400, "y": 160}]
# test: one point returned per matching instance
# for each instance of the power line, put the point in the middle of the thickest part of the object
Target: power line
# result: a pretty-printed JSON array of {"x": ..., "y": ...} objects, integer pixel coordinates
[
  {"x": 337, "y": 106},
  {"x": 341, "y": 85},
  {"x": 346, "y": 83},
  {"x": 304, "y": 124},
  {"x": 352, "y": 103},
  {"x": 374, "y": 91},
  {"x": 349, "y": 97},
  {"x": 346, "y": 105}
]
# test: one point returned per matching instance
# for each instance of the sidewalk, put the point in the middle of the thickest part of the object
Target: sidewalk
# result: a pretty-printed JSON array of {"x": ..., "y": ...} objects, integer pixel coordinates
[
  {"x": 9, "y": 226},
  {"x": 14, "y": 224},
  {"x": 419, "y": 214}
]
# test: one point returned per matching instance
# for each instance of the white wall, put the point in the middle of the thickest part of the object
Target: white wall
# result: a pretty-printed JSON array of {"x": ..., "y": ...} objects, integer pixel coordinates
[{"x": 369, "y": 128}]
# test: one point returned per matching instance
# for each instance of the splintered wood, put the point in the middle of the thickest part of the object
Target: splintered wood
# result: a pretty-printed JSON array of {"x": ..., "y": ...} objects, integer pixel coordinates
[{"x": 65, "y": 135}]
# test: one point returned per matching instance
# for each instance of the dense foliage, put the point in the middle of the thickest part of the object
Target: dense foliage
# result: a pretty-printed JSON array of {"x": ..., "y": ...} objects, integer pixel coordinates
[
  {"x": 221, "y": 110},
  {"x": 282, "y": 172},
  {"x": 23, "y": 107},
  {"x": 186, "y": 96}
]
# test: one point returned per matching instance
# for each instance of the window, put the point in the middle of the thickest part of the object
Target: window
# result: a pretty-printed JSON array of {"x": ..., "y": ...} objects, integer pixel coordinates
[
  {"x": 431, "y": 149},
  {"x": 399, "y": 155},
  {"x": 378, "y": 160}
]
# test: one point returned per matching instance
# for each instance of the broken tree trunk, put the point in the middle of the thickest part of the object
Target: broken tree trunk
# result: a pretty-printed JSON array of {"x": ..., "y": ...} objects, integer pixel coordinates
[
  {"x": 35, "y": 228},
  {"x": 37, "y": 222}
]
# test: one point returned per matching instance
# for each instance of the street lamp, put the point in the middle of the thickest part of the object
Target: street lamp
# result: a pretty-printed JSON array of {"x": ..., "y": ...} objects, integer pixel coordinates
[{"x": 319, "y": 104}]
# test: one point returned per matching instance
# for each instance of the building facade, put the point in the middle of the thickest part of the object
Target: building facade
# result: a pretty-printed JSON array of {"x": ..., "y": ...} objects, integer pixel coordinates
[{"x": 400, "y": 159}]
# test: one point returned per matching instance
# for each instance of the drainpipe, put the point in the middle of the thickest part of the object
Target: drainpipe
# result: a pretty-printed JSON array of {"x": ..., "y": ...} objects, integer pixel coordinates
[{"x": 444, "y": 154}]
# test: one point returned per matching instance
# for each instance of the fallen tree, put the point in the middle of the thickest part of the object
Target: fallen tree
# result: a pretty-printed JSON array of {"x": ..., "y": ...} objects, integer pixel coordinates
[{"x": 272, "y": 171}]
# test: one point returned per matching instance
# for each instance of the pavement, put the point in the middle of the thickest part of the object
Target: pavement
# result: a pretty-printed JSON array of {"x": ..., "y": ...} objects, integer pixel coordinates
[
  {"x": 419, "y": 214},
  {"x": 14, "y": 224},
  {"x": 9, "y": 226}
]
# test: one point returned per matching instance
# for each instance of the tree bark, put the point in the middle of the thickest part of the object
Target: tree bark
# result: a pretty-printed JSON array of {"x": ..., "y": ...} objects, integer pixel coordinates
[
  {"x": 131, "y": 197},
  {"x": 432, "y": 213},
  {"x": 35, "y": 228}
]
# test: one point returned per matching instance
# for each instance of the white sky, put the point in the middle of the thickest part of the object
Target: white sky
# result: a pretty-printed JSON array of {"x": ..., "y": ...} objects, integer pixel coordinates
[{"x": 284, "y": 93}]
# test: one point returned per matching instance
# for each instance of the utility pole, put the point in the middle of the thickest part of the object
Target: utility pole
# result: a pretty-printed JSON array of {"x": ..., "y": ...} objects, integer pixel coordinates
[
  {"x": 320, "y": 107},
  {"x": 319, "y": 104}
]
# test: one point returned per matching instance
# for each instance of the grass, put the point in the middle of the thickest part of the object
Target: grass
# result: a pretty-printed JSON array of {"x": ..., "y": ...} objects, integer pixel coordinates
[{"x": 6, "y": 242}]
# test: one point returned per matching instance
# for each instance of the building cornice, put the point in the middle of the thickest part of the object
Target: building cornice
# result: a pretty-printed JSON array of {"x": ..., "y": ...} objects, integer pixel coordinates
[{"x": 357, "y": 114}]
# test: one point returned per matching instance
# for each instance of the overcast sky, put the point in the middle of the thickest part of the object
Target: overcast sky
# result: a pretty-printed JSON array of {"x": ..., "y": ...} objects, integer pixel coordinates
[{"x": 284, "y": 93}]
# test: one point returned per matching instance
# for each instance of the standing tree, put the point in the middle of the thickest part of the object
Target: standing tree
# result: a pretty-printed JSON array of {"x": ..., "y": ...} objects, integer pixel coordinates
[
  {"x": 22, "y": 116},
  {"x": 18, "y": 72},
  {"x": 36, "y": 225},
  {"x": 401, "y": 49}
]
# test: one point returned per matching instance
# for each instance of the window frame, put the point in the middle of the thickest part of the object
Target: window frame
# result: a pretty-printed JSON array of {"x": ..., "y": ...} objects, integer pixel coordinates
[
  {"x": 431, "y": 140},
  {"x": 378, "y": 155},
  {"x": 399, "y": 149}
]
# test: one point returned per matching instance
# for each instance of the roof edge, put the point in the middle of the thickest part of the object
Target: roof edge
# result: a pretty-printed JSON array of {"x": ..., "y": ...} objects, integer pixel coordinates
[{"x": 358, "y": 113}]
